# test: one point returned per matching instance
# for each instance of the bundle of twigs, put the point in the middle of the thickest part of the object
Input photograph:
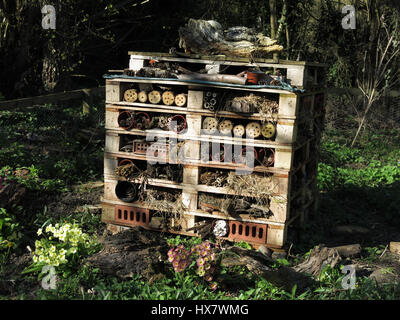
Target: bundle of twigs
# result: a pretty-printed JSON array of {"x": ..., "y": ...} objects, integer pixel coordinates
[
  {"x": 128, "y": 171},
  {"x": 216, "y": 179}
]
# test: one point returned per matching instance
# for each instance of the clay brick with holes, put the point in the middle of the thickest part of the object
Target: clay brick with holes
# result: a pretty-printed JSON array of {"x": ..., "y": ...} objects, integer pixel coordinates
[
  {"x": 140, "y": 147},
  {"x": 155, "y": 149},
  {"x": 246, "y": 231},
  {"x": 132, "y": 216}
]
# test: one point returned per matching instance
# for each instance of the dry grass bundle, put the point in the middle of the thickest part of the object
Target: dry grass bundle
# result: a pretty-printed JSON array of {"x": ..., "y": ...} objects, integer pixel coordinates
[
  {"x": 231, "y": 206},
  {"x": 260, "y": 187},
  {"x": 265, "y": 107},
  {"x": 166, "y": 202}
]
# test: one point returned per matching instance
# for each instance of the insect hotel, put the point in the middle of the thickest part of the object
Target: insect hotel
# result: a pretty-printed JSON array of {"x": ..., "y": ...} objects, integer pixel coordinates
[{"x": 210, "y": 145}]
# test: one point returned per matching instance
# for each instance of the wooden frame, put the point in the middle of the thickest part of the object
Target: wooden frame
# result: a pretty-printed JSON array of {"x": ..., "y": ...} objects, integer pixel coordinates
[{"x": 293, "y": 158}]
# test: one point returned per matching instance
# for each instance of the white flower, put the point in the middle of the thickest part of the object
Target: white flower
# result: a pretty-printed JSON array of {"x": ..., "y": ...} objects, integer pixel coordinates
[{"x": 39, "y": 232}]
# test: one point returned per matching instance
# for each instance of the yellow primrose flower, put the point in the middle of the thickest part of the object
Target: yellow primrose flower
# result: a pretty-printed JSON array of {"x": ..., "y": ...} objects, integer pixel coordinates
[{"x": 39, "y": 232}]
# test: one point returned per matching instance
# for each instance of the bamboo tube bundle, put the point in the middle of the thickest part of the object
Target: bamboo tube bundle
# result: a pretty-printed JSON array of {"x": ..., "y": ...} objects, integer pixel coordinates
[
  {"x": 168, "y": 98},
  {"x": 163, "y": 122},
  {"x": 154, "y": 97},
  {"x": 210, "y": 100}
]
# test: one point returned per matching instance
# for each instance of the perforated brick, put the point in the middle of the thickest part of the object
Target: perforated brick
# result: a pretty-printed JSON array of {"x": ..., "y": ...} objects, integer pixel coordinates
[
  {"x": 132, "y": 216},
  {"x": 246, "y": 231}
]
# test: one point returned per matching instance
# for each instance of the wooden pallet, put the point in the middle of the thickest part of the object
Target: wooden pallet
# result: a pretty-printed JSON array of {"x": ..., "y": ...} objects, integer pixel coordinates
[
  {"x": 301, "y": 74},
  {"x": 299, "y": 123}
]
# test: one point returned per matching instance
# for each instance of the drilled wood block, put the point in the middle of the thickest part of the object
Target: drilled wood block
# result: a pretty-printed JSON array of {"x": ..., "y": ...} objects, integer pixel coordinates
[
  {"x": 191, "y": 175},
  {"x": 108, "y": 213},
  {"x": 110, "y": 164},
  {"x": 192, "y": 150},
  {"x": 195, "y": 100},
  {"x": 276, "y": 236},
  {"x": 280, "y": 208},
  {"x": 112, "y": 143},
  {"x": 113, "y": 91},
  {"x": 283, "y": 159},
  {"x": 297, "y": 75},
  {"x": 288, "y": 104},
  {"x": 286, "y": 132},
  {"x": 109, "y": 189},
  {"x": 193, "y": 124},
  {"x": 112, "y": 118}
]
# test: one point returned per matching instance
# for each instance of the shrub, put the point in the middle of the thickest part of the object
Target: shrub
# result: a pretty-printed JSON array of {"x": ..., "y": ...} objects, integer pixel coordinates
[
  {"x": 61, "y": 247},
  {"x": 9, "y": 231}
]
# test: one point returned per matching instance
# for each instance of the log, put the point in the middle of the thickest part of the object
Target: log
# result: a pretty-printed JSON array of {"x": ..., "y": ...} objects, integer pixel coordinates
[
  {"x": 142, "y": 96},
  {"x": 238, "y": 130},
  {"x": 154, "y": 97},
  {"x": 350, "y": 229},
  {"x": 131, "y": 252},
  {"x": 130, "y": 95},
  {"x": 168, "y": 98},
  {"x": 394, "y": 247},
  {"x": 181, "y": 99},
  {"x": 12, "y": 195},
  {"x": 319, "y": 258},
  {"x": 226, "y": 78},
  {"x": 261, "y": 265},
  {"x": 348, "y": 250}
]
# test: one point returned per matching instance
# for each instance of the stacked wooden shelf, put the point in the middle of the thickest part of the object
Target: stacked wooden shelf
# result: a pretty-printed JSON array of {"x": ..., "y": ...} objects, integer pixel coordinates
[{"x": 291, "y": 177}]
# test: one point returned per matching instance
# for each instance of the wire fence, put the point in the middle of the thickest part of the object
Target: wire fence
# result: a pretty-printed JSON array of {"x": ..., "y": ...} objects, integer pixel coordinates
[
  {"x": 66, "y": 139},
  {"x": 63, "y": 141},
  {"x": 345, "y": 109}
]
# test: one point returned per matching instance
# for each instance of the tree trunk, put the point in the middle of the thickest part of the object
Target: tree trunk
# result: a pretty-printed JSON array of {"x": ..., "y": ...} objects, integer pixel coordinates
[{"x": 273, "y": 18}]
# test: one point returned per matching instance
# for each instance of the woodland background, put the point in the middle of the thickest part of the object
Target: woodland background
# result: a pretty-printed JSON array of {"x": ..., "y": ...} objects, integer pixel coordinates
[
  {"x": 54, "y": 154},
  {"x": 93, "y": 36}
]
